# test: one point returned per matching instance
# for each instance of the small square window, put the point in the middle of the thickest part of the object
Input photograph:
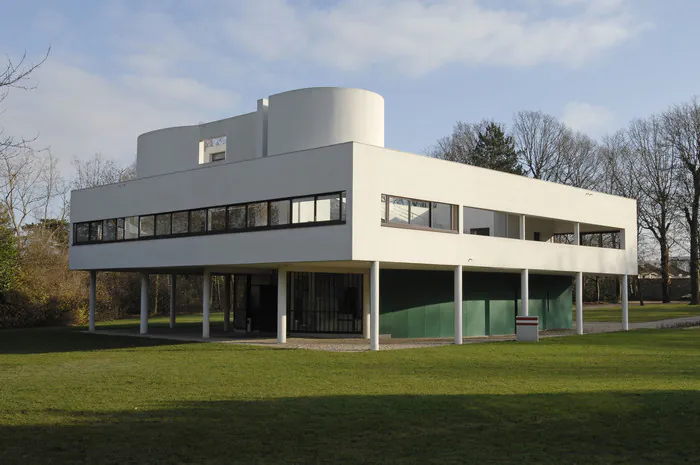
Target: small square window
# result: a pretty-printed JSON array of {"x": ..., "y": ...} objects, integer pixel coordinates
[
  {"x": 109, "y": 230},
  {"x": 219, "y": 156},
  {"x": 95, "y": 231},
  {"x": 181, "y": 222},
  {"x": 147, "y": 226},
  {"x": 303, "y": 210},
  {"x": 82, "y": 232},
  {"x": 216, "y": 219},
  {"x": 257, "y": 215},
  {"x": 236, "y": 217},
  {"x": 131, "y": 229},
  {"x": 280, "y": 212},
  {"x": 163, "y": 226},
  {"x": 198, "y": 221}
]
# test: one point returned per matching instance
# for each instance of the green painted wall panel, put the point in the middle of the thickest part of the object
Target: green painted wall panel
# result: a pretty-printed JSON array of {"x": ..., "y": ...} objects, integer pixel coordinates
[
  {"x": 501, "y": 317},
  {"x": 420, "y": 303},
  {"x": 474, "y": 317}
]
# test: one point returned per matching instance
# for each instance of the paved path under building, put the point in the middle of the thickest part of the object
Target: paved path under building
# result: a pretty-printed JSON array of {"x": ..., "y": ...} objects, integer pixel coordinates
[{"x": 191, "y": 334}]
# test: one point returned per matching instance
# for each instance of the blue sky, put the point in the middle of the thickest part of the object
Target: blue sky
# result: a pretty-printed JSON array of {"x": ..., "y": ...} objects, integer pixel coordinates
[{"x": 121, "y": 68}]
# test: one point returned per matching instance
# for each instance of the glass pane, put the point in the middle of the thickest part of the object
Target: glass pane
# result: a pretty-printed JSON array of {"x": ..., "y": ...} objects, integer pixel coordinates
[
  {"x": 131, "y": 229},
  {"x": 398, "y": 210},
  {"x": 420, "y": 213},
  {"x": 279, "y": 212},
  {"x": 82, "y": 232},
  {"x": 147, "y": 227},
  {"x": 236, "y": 217},
  {"x": 163, "y": 225},
  {"x": 109, "y": 230},
  {"x": 120, "y": 229},
  {"x": 328, "y": 207},
  {"x": 344, "y": 207},
  {"x": 257, "y": 215},
  {"x": 303, "y": 210},
  {"x": 216, "y": 219},
  {"x": 198, "y": 221},
  {"x": 96, "y": 231},
  {"x": 383, "y": 216},
  {"x": 442, "y": 215},
  {"x": 181, "y": 223}
]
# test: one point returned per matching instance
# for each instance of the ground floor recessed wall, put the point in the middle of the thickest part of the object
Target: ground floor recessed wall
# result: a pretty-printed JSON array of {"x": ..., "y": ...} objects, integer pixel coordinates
[{"x": 421, "y": 303}]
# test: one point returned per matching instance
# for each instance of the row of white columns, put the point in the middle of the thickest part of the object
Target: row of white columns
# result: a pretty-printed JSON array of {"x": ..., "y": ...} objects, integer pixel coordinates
[
  {"x": 370, "y": 300},
  {"x": 143, "y": 320}
]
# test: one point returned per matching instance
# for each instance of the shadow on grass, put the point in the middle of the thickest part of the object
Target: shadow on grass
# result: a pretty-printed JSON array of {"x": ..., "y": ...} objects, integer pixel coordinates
[
  {"x": 48, "y": 340},
  {"x": 604, "y": 427}
]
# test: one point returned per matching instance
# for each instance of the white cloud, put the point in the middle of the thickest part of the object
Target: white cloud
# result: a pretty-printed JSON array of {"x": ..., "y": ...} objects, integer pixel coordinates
[
  {"x": 591, "y": 119},
  {"x": 78, "y": 113},
  {"x": 419, "y": 36},
  {"x": 150, "y": 68}
]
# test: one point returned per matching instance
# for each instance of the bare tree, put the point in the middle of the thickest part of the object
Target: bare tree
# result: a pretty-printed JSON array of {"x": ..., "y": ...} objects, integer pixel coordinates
[
  {"x": 579, "y": 160},
  {"x": 655, "y": 167},
  {"x": 98, "y": 171},
  {"x": 682, "y": 133},
  {"x": 537, "y": 139},
  {"x": 459, "y": 146},
  {"x": 16, "y": 75}
]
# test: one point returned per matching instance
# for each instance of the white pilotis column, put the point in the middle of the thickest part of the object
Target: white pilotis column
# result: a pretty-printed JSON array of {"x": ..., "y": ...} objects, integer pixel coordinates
[
  {"x": 577, "y": 233},
  {"x": 173, "y": 290},
  {"x": 522, "y": 227},
  {"x": 93, "y": 299},
  {"x": 227, "y": 302},
  {"x": 625, "y": 303},
  {"x": 524, "y": 292},
  {"x": 458, "y": 305},
  {"x": 281, "y": 306},
  {"x": 366, "y": 304},
  {"x": 144, "y": 303},
  {"x": 206, "y": 296},
  {"x": 579, "y": 302},
  {"x": 374, "y": 307}
]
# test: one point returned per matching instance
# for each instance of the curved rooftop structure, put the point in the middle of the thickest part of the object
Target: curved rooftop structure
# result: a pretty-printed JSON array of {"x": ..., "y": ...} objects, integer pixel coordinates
[{"x": 287, "y": 122}]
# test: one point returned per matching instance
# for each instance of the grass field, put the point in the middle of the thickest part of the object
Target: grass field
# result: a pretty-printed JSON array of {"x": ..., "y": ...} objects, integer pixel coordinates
[
  {"x": 639, "y": 314},
  {"x": 72, "y": 397}
]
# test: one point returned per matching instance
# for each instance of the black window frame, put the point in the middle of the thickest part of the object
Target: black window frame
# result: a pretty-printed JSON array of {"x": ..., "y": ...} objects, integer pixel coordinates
[
  {"x": 385, "y": 221},
  {"x": 340, "y": 196}
]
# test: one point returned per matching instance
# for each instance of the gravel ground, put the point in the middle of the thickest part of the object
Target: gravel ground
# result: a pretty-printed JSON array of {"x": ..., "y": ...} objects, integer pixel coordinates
[{"x": 361, "y": 345}]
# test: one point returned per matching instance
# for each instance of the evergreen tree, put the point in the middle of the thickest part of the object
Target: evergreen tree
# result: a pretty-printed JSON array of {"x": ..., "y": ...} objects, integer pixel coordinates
[{"x": 496, "y": 151}]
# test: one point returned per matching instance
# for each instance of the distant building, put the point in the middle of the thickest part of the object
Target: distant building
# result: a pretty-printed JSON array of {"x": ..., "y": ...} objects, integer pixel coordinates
[{"x": 324, "y": 230}]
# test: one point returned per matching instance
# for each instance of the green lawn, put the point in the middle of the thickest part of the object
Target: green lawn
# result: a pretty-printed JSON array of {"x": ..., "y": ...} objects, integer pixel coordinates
[
  {"x": 72, "y": 397},
  {"x": 639, "y": 314}
]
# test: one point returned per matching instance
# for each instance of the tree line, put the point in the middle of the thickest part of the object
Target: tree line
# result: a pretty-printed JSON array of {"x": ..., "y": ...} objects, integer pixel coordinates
[{"x": 655, "y": 160}]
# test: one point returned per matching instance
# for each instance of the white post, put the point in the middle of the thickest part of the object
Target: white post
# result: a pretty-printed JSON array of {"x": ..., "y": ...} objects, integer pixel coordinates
[
  {"x": 579, "y": 302},
  {"x": 144, "y": 303},
  {"x": 577, "y": 233},
  {"x": 522, "y": 227},
  {"x": 374, "y": 307},
  {"x": 458, "y": 305},
  {"x": 227, "y": 302},
  {"x": 625, "y": 303},
  {"x": 93, "y": 300},
  {"x": 524, "y": 292},
  {"x": 366, "y": 304},
  {"x": 206, "y": 295},
  {"x": 281, "y": 306},
  {"x": 173, "y": 290}
]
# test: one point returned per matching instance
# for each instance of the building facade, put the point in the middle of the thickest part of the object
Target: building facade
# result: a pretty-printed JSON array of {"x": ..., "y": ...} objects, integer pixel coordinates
[{"x": 321, "y": 229}]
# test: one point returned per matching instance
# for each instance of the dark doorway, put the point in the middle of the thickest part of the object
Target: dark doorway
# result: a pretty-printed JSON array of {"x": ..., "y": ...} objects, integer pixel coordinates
[{"x": 324, "y": 303}]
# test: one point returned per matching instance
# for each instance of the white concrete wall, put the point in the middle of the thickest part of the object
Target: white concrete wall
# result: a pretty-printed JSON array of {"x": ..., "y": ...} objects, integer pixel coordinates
[
  {"x": 302, "y": 173},
  {"x": 321, "y": 116},
  {"x": 171, "y": 150},
  {"x": 377, "y": 170}
]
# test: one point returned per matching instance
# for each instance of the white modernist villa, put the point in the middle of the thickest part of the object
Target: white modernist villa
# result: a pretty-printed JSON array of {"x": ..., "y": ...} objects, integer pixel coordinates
[{"x": 321, "y": 229}]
